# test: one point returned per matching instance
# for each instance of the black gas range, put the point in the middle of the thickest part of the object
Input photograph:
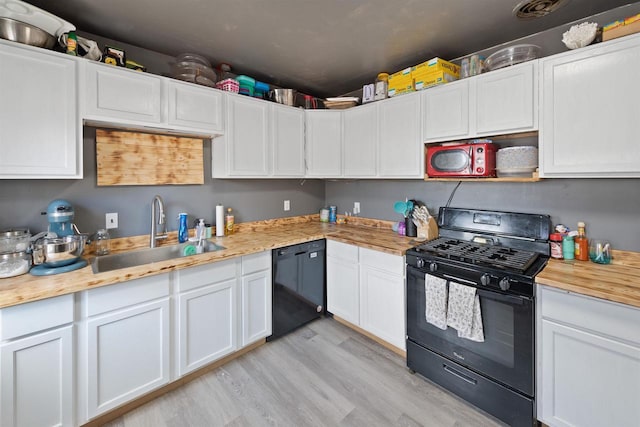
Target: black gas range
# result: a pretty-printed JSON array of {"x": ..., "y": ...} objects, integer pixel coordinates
[{"x": 498, "y": 254}]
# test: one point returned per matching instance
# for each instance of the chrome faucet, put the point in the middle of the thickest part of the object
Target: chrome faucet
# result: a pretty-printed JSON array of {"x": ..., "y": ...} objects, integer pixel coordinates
[{"x": 157, "y": 220}]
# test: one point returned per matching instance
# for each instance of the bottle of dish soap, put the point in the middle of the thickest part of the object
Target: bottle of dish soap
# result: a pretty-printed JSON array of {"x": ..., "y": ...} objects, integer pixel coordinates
[{"x": 229, "y": 220}]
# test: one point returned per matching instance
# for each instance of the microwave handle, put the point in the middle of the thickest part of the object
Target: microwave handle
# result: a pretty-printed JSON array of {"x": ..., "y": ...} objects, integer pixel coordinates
[{"x": 470, "y": 171}]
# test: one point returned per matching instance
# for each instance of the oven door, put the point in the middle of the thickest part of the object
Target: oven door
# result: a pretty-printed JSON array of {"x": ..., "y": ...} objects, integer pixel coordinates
[{"x": 506, "y": 355}]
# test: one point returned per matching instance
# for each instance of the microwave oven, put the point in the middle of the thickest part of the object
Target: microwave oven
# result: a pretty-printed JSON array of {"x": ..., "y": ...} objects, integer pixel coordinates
[{"x": 462, "y": 160}]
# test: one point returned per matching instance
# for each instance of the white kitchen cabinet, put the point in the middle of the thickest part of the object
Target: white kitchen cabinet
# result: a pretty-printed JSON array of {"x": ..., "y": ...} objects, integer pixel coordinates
[
  {"x": 589, "y": 111},
  {"x": 382, "y": 296},
  {"x": 367, "y": 288},
  {"x": 40, "y": 131},
  {"x": 401, "y": 151},
  {"x": 37, "y": 370},
  {"x": 256, "y": 297},
  {"x": 343, "y": 284},
  {"x": 114, "y": 94},
  {"x": 588, "y": 361},
  {"x": 324, "y": 143},
  {"x": 287, "y": 141},
  {"x": 360, "y": 141},
  {"x": 125, "y": 346},
  {"x": 193, "y": 107},
  {"x": 495, "y": 103},
  {"x": 262, "y": 140},
  {"x": 206, "y": 314}
]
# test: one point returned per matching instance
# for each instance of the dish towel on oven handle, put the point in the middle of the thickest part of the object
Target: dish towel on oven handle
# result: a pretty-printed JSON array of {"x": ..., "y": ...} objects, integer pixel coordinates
[
  {"x": 463, "y": 312},
  {"x": 435, "y": 301}
]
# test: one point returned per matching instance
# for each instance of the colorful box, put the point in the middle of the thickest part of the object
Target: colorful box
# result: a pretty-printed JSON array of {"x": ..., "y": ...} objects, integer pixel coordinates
[
  {"x": 400, "y": 83},
  {"x": 426, "y": 80},
  {"x": 402, "y": 73},
  {"x": 436, "y": 64}
]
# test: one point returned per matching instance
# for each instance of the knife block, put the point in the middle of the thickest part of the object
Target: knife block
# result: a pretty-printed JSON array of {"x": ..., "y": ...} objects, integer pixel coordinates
[{"x": 428, "y": 230}]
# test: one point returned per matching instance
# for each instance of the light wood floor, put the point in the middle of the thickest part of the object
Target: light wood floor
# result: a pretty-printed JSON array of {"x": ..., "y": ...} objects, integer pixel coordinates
[{"x": 323, "y": 374}]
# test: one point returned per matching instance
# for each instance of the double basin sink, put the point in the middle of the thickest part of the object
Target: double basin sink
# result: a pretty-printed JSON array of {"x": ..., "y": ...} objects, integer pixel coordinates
[{"x": 102, "y": 264}]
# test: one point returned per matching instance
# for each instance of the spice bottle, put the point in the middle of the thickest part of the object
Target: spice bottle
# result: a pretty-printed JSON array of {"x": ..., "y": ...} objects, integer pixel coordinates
[
  {"x": 72, "y": 43},
  {"x": 382, "y": 86},
  {"x": 229, "y": 220},
  {"x": 581, "y": 244},
  {"x": 555, "y": 241}
]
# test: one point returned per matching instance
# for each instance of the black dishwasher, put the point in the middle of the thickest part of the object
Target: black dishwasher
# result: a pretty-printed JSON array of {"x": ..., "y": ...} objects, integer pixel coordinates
[{"x": 298, "y": 286}]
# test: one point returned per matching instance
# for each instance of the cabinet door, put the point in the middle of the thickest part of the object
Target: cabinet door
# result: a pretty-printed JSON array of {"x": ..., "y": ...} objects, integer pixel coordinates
[
  {"x": 206, "y": 325},
  {"x": 587, "y": 379},
  {"x": 506, "y": 101},
  {"x": 446, "y": 111},
  {"x": 128, "y": 355},
  {"x": 400, "y": 149},
  {"x": 40, "y": 132},
  {"x": 360, "y": 141},
  {"x": 287, "y": 141},
  {"x": 324, "y": 143},
  {"x": 115, "y": 93},
  {"x": 256, "y": 306},
  {"x": 195, "y": 107},
  {"x": 590, "y": 111},
  {"x": 343, "y": 289},
  {"x": 247, "y": 136},
  {"x": 37, "y": 380}
]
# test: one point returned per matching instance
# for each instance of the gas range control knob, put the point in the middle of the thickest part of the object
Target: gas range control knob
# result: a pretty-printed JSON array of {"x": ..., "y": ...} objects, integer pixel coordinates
[
  {"x": 504, "y": 284},
  {"x": 420, "y": 263},
  {"x": 433, "y": 267},
  {"x": 485, "y": 279}
]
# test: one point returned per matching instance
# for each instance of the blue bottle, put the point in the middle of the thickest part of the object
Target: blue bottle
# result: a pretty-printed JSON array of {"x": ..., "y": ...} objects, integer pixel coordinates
[{"x": 183, "y": 230}]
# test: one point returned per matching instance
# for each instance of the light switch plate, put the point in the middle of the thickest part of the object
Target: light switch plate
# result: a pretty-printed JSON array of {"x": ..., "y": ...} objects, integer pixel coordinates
[{"x": 111, "y": 220}]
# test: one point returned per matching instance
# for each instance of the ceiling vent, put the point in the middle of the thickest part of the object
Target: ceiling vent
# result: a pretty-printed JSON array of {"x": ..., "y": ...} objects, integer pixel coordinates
[{"x": 531, "y": 9}]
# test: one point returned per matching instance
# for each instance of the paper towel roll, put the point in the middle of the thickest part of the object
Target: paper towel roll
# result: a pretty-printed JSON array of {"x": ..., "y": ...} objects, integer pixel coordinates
[{"x": 219, "y": 220}]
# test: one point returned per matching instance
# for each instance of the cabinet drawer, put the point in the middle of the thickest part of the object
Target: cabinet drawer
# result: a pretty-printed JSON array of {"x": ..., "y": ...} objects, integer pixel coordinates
[
  {"x": 382, "y": 261},
  {"x": 31, "y": 317},
  {"x": 608, "y": 318},
  {"x": 195, "y": 277},
  {"x": 107, "y": 298},
  {"x": 256, "y": 262},
  {"x": 343, "y": 251}
]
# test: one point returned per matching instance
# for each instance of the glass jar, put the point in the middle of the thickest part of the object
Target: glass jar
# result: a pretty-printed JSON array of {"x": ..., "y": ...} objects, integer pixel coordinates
[
  {"x": 103, "y": 242},
  {"x": 555, "y": 241},
  {"x": 600, "y": 251},
  {"x": 381, "y": 87}
]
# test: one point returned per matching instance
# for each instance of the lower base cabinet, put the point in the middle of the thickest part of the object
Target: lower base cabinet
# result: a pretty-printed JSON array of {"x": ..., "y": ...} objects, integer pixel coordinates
[
  {"x": 256, "y": 300},
  {"x": 588, "y": 361},
  {"x": 367, "y": 288},
  {"x": 37, "y": 364}
]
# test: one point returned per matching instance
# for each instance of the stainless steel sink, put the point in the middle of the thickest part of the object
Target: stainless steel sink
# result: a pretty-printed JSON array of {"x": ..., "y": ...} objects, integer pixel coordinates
[{"x": 105, "y": 263}]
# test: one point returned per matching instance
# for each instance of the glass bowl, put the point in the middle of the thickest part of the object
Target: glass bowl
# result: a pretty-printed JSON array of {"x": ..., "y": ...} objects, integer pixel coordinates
[{"x": 512, "y": 55}]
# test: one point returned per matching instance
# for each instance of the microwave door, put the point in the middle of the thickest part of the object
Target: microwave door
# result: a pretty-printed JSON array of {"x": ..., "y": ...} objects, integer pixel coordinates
[{"x": 452, "y": 161}]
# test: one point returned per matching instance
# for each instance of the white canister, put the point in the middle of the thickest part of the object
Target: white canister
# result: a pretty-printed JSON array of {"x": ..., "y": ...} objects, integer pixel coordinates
[{"x": 324, "y": 215}]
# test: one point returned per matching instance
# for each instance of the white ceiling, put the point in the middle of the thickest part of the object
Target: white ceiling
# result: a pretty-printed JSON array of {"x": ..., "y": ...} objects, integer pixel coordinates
[{"x": 322, "y": 47}]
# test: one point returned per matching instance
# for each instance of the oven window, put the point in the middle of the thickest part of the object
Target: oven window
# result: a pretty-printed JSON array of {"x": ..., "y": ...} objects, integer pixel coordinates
[
  {"x": 498, "y": 321},
  {"x": 450, "y": 160}
]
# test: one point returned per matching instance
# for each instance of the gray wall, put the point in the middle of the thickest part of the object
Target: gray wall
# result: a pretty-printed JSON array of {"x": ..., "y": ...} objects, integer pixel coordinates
[
  {"x": 609, "y": 207},
  {"x": 21, "y": 201}
]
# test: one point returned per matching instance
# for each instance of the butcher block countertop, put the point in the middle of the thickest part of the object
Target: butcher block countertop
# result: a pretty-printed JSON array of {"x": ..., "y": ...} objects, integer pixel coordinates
[
  {"x": 618, "y": 282},
  {"x": 249, "y": 238}
]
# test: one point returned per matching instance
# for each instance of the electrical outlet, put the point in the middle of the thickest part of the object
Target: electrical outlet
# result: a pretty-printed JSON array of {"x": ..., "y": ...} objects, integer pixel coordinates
[
  {"x": 287, "y": 205},
  {"x": 112, "y": 220},
  {"x": 356, "y": 208}
]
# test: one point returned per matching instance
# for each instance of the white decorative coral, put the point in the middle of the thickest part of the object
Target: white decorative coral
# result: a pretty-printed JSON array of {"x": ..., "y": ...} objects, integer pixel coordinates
[{"x": 580, "y": 35}]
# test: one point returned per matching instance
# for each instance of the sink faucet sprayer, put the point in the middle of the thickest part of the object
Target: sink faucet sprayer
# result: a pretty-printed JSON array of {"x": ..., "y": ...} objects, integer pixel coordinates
[{"x": 159, "y": 221}]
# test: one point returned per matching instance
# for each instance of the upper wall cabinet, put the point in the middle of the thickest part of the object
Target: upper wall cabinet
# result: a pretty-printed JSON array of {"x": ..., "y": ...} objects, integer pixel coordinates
[
  {"x": 40, "y": 133},
  {"x": 262, "y": 140},
  {"x": 589, "y": 114},
  {"x": 119, "y": 97},
  {"x": 324, "y": 143},
  {"x": 360, "y": 129},
  {"x": 499, "y": 102}
]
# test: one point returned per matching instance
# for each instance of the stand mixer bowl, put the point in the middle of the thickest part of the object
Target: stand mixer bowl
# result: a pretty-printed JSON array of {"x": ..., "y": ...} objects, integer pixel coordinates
[{"x": 59, "y": 251}]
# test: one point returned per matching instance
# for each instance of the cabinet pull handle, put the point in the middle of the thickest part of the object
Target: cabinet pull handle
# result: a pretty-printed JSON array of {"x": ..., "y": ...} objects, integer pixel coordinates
[{"x": 460, "y": 375}]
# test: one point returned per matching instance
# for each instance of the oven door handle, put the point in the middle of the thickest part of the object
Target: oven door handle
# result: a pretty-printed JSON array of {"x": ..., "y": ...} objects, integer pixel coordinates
[
  {"x": 459, "y": 375},
  {"x": 511, "y": 299}
]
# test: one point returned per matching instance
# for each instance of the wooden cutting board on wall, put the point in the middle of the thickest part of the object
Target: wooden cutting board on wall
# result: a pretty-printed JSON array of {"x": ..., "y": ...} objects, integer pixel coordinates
[{"x": 130, "y": 158}]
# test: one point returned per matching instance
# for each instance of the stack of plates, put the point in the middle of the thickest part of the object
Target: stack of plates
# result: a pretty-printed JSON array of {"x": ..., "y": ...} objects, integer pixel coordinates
[
  {"x": 519, "y": 161},
  {"x": 341, "y": 102}
]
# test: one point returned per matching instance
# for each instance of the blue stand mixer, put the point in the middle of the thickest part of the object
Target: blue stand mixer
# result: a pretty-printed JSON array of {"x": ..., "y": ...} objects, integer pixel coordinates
[{"x": 61, "y": 249}]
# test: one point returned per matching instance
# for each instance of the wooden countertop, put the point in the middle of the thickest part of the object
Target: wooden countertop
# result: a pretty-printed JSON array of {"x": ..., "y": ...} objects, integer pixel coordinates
[
  {"x": 250, "y": 238},
  {"x": 618, "y": 282}
]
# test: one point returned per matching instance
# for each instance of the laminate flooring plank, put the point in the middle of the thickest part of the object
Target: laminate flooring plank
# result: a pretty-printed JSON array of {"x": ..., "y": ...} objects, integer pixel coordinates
[{"x": 323, "y": 374}]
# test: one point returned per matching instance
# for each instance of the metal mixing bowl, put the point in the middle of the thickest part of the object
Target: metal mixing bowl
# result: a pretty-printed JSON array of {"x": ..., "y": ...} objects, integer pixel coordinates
[
  {"x": 59, "y": 251},
  {"x": 17, "y": 31}
]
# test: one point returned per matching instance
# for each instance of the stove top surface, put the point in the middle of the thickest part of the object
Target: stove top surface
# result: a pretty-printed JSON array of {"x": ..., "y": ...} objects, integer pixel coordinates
[{"x": 479, "y": 254}]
